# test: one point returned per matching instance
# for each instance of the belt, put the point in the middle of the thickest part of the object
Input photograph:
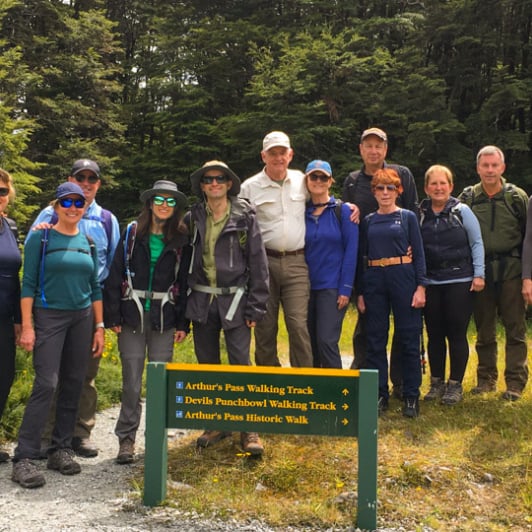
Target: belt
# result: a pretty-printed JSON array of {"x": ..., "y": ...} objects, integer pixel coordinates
[
  {"x": 390, "y": 261},
  {"x": 275, "y": 253}
]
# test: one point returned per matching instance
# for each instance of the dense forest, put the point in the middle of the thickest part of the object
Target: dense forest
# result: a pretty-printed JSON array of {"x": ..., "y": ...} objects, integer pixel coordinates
[{"x": 153, "y": 88}]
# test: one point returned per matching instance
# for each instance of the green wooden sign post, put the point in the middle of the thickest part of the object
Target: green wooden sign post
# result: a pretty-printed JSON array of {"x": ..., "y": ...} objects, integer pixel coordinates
[{"x": 267, "y": 400}]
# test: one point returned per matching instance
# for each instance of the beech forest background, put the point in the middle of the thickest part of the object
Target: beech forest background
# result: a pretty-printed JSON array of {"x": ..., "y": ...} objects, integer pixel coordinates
[{"x": 152, "y": 89}]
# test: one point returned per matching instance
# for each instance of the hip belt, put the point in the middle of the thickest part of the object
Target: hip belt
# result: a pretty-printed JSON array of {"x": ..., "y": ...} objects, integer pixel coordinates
[
  {"x": 237, "y": 291},
  {"x": 390, "y": 261},
  {"x": 278, "y": 254}
]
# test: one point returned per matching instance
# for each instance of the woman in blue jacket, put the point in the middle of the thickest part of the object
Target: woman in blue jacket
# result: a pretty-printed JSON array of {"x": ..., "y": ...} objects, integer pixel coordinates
[
  {"x": 454, "y": 254},
  {"x": 10, "y": 263},
  {"x": 331, "y": 247},
  {"x": 145, "y": 297}
]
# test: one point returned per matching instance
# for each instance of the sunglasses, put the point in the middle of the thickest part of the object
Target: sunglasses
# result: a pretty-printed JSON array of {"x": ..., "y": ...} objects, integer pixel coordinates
[
  {"x": 90, "y": 178},
  {"x": 208, "y": 179},
  {"x": 159, "y": 200},
  {"x": 66, "y": 203},
  {"x": 315, "y": 177},
  {"x": 4, "y": 191},
  {"x": 389, "y": 188}
]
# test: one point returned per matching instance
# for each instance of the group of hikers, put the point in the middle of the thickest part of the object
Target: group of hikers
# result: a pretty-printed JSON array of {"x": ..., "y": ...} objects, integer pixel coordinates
[{"x": 231, "y": 260}]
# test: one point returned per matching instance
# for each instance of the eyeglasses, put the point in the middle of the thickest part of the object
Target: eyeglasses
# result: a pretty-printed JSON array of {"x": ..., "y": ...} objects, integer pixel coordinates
[
  {"x": 389, "y": 188},
  {"x": 4, "y": 191},
  {"x": 80, "y": 178},
  {"x": 159, "y": 200},
  {"x": 208, "y": 179},
  {"x": 322, "y": 177},
  {"x": 66, "y": 203}
]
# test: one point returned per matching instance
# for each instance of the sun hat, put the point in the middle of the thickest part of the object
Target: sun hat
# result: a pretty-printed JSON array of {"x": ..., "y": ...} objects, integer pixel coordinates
[
  {"x": 195, "y": 177},
  {"x": 68, "y": 188},
  {"x": 165, "y": 187}
]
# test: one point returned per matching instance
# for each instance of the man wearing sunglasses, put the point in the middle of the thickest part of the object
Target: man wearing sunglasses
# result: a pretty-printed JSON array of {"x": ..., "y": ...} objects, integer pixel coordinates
[
  {"x": 373, "y": 148},
  {"x": 102, "y": 227},
  {"x": 228, "y": 277}
]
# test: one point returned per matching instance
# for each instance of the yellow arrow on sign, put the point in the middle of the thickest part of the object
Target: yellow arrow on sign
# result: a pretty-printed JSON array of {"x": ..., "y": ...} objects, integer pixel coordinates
[
  {"x": 345, "y": 391},
  {"x": 345, "y": 422},
  {"x": 345, "y": 406}
]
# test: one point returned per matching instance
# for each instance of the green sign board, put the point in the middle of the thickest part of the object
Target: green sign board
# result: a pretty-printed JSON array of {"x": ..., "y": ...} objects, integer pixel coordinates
[{"x": 252, "y": 399}]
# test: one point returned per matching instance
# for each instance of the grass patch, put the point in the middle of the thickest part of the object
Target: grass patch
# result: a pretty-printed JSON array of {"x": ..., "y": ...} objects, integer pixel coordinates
[{"x": 461, "y": 468}]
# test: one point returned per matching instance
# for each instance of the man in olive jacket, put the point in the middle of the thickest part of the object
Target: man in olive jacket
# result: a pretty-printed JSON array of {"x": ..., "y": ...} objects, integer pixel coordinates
[{"x": 228, "y": 276}]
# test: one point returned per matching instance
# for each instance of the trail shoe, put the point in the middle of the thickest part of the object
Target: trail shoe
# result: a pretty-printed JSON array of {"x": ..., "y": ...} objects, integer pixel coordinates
[
  {"x": 63, "y": 461},
  {"x": 483, "y": 387},
  {"x": 126, "y": 452},
  {"x": 437, "y": 389},
  {"x": 453, "y": 393},
  {"x": 510, "y": 395},
  {"x": 4, "y": 456},
  {"x": 26, "y": 473},
  {"x": 84, "y": 447},
  {"x": 251, "y": 443},
  {"x": 411, "y": 407},
  {"x": 382, "y": 405},
  {"x": 210, "y": 437}
]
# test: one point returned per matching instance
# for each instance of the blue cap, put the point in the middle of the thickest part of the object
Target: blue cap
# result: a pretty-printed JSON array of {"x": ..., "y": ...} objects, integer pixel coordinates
[
  {"x": 65, "y": 189},
  {"x": 319, "y": 166}
]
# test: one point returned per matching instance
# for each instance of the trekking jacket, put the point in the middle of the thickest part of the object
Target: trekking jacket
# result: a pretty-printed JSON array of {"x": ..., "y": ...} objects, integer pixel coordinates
[
  {"x": 10, "y": 263},
  {"x": 502, "y": 221},
  {"x": 357, "y": 190},
  {"x": 447, "y": 249},
  {"x": 240, "y": 263},
  {"x": 120, "y": 310}
]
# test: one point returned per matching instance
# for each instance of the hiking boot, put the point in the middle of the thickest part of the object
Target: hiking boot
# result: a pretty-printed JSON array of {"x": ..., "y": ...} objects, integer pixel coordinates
[
  {"x": 453, "y": 393},
  {"x": 210, "y": 437},
  {"x": 411, "y": 407},
  {"x": 437, "y": 389},
  {"x": 251, "y": 443},
  {"x": 126, "y": 452},
  {"x": 26, "y": 473},
  {"x": 510, "y": 395},
  {"x": 382, "y": 405},
  {"x": 483, "y": 387},
  {"x": 4, "y": 456},
  {"x": 84, "y": 447},
  {"x": 63, "y": 461}
]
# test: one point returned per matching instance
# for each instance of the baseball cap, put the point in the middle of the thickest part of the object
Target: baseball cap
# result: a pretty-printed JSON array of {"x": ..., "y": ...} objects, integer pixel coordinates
[
  {"x": 319, "y": 166},
  {"x": 374, "y": 131},
  {"x": 68, "y": 188},
  {"x": 85, "y": 164},
  {"x": 275, "y": 138}
]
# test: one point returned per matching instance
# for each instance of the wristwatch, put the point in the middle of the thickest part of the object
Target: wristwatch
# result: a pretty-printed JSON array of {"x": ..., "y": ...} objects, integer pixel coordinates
[{"x": 99, "y": 325}]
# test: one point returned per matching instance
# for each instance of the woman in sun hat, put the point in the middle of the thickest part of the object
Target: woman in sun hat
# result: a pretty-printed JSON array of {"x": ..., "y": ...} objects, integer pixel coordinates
[
  {"x": 62, "y": 320},
  {"x": 145, "y": 297}
]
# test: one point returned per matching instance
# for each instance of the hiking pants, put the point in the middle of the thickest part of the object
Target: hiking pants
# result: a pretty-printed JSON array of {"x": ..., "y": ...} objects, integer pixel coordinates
[{"x": 7, "y": 359}]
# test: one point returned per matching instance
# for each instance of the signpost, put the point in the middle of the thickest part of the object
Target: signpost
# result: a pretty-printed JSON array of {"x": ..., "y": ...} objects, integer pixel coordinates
[{"x": 267, "y": 400}]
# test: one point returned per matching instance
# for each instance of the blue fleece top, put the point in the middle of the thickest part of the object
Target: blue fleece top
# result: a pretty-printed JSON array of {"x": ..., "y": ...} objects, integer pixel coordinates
[
  {"x": 331, "y": 248},
  {"x": 10, "y": 262},
  {"x": 70, "y": 271}
]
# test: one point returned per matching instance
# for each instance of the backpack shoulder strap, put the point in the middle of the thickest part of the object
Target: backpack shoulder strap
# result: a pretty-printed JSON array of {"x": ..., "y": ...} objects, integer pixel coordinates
[
  {"x": 404, "y": 223},
  {"x": 338, "y": 209},
  {"x": 107, "y": 222},
  {"x": 44, "y": 247}
]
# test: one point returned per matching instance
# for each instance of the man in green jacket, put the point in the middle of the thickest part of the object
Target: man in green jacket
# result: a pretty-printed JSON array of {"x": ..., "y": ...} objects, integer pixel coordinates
[{"x": 501, "y": 210}]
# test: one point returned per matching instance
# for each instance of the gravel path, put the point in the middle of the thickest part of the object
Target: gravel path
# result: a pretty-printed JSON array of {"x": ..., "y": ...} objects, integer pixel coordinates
[{"x": 102, "y": 497}]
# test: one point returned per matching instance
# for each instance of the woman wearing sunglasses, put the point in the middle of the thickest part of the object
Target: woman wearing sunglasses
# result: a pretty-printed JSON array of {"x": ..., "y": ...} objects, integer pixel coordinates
[
  {"x": 392, "y": 278},
  {"x": 10, "y": 263},
  {"x": 62, "y": 322},
  {"x": 331, "y": 247},
  {"x": 145, "y": 297}
]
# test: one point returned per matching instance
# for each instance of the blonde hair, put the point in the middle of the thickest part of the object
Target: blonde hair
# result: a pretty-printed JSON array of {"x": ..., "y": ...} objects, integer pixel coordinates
[{"x": 439, "y": 168}]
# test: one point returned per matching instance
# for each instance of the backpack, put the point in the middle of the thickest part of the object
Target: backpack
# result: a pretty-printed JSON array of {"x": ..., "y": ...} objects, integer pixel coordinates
[
  {"x": 44, "y": 251},
  {"x": 130, "y": 293},
  {"x": 105, "y": 219}
]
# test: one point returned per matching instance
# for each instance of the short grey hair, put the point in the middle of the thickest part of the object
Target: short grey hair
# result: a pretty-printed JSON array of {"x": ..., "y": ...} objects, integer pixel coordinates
[{"x": 490, "y": 150}]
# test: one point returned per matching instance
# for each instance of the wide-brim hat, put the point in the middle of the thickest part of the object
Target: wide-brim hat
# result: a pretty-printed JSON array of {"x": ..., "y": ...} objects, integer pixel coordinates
[
  {"x": 165, "y": 187},
  {"x": 195, "y": 177}
]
